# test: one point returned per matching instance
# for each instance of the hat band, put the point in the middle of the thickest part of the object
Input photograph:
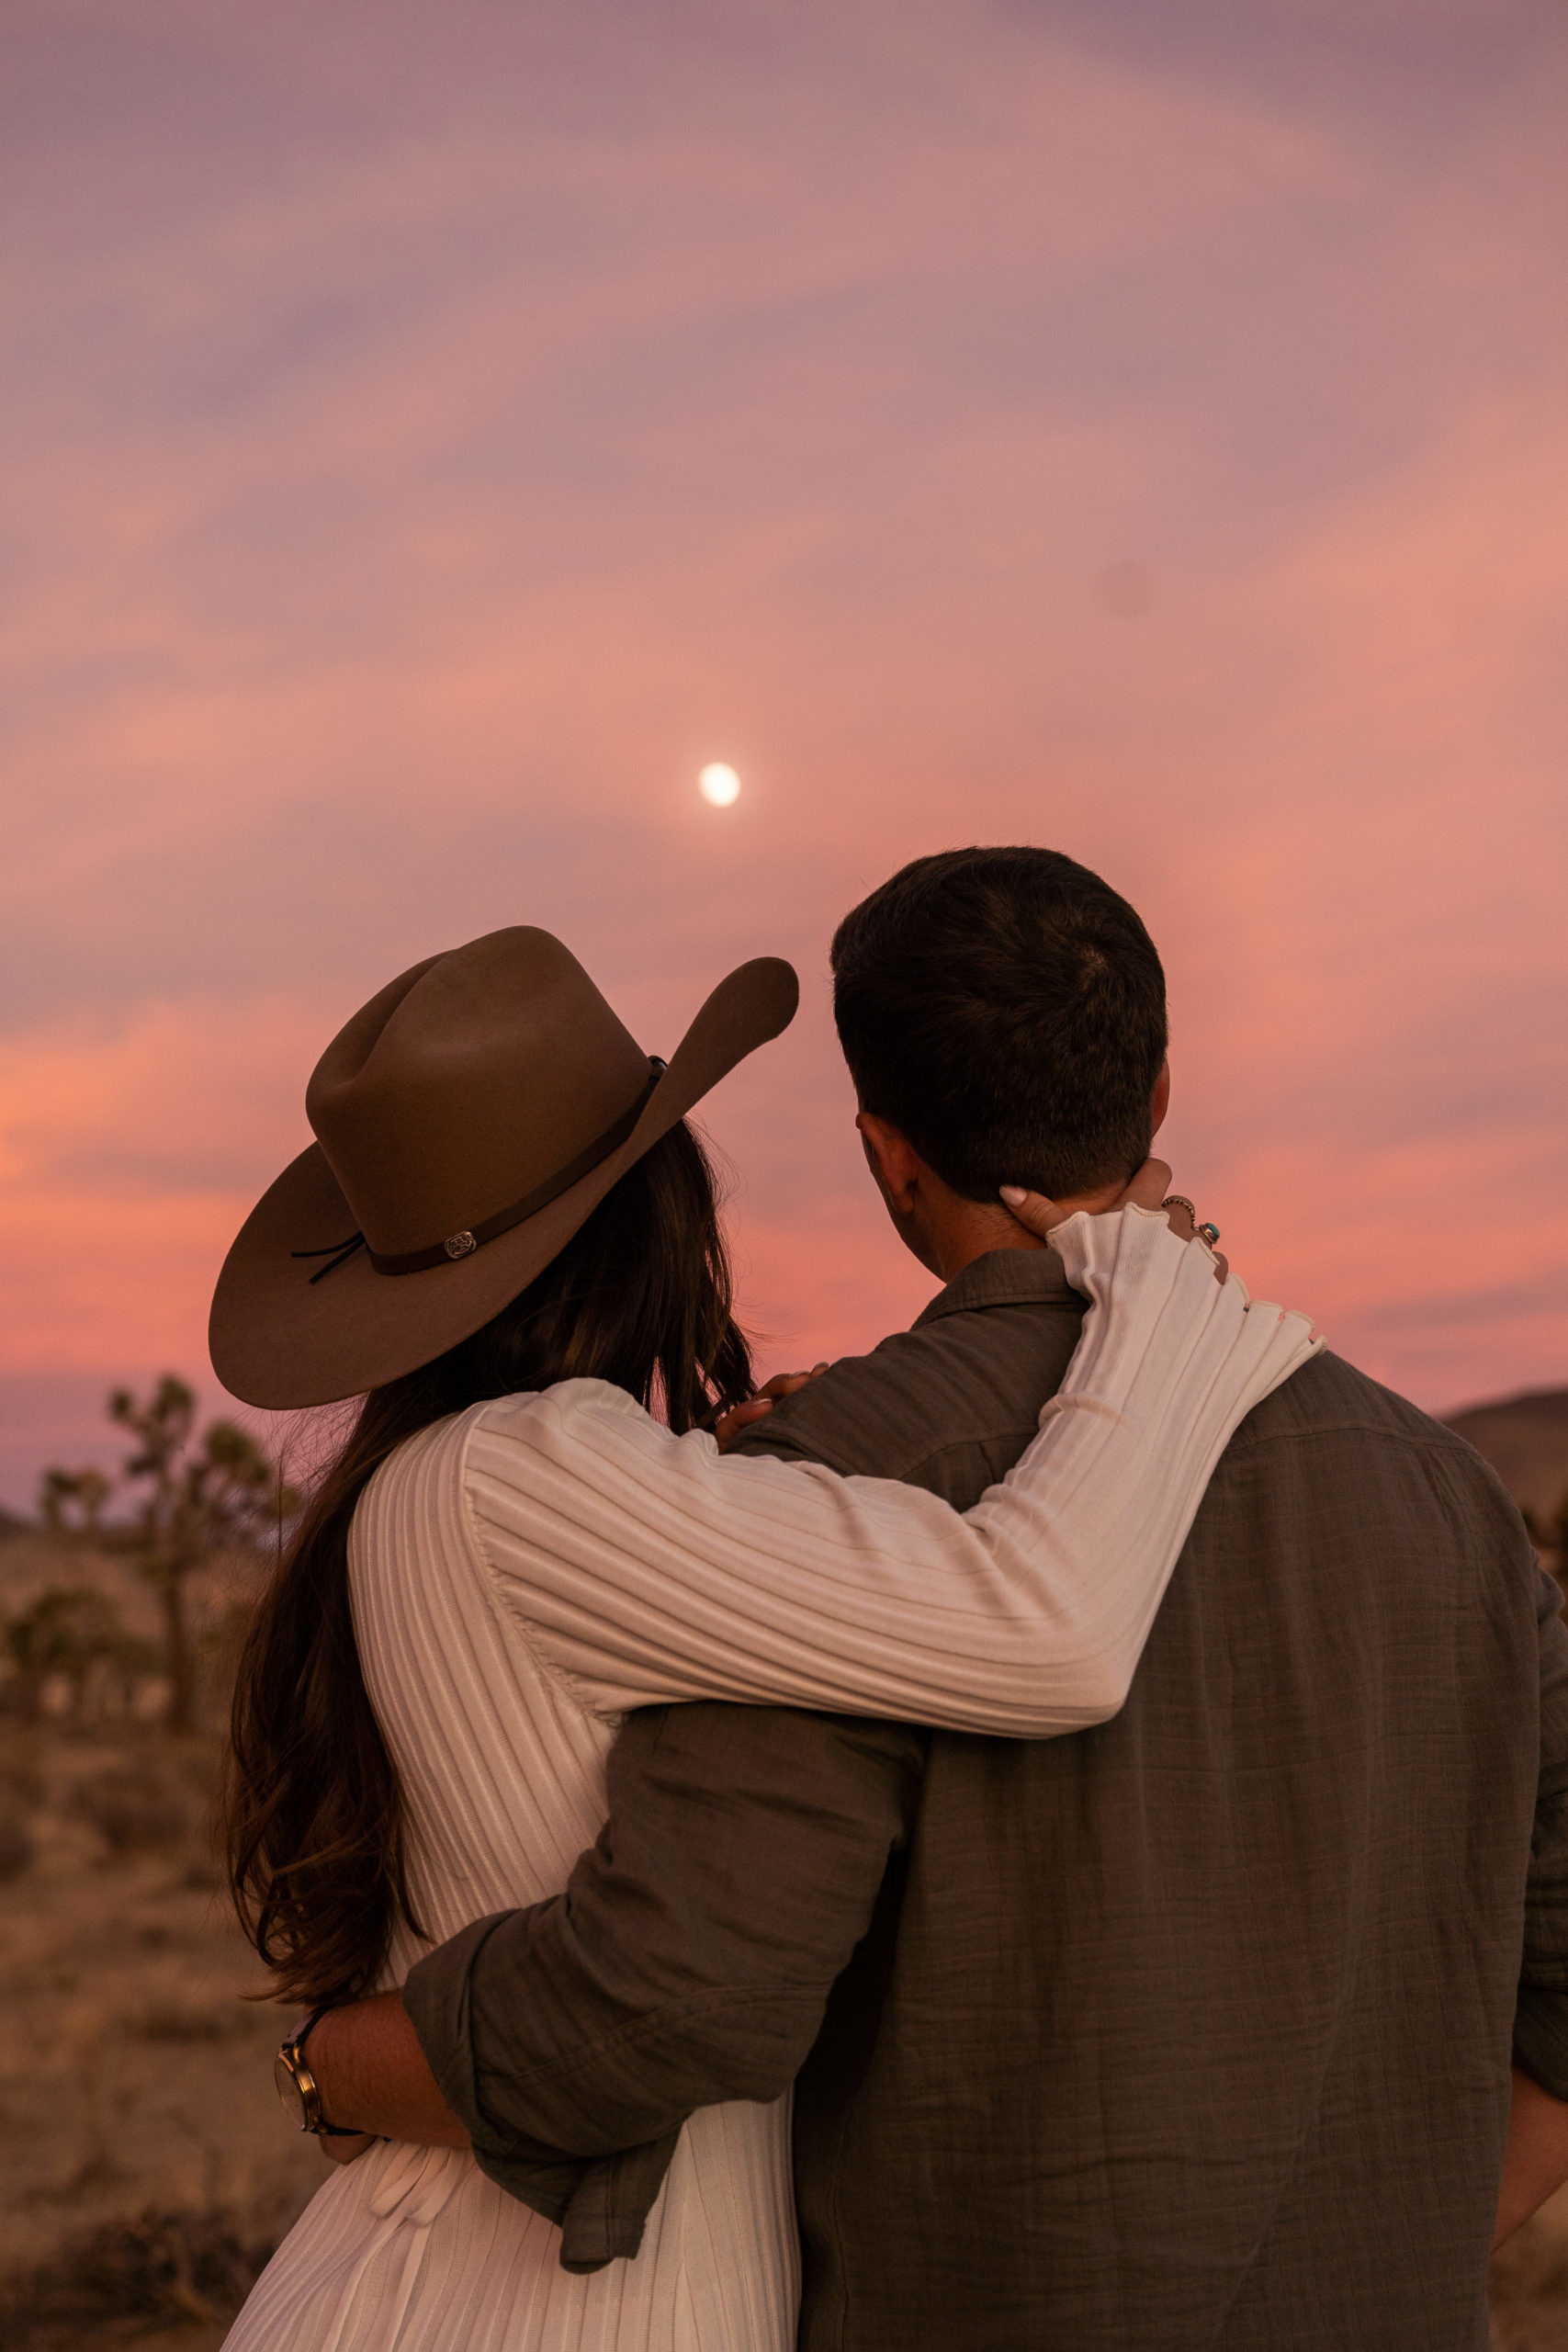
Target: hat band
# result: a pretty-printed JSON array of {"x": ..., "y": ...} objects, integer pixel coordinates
[{"x": 471, "y": 1237}]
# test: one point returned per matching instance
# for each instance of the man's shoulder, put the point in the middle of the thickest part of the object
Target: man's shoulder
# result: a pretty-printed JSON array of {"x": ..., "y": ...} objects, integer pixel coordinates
[
  {"x": 1329, "y": 1394},
  {"x": 1331, "y": 1408}
]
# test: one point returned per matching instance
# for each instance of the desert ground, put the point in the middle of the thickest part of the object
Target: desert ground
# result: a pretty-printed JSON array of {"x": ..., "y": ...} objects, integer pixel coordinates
[{"x": 146, "y": 2167}]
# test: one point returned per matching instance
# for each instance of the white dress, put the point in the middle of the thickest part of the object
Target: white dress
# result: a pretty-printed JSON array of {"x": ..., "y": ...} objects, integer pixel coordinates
[{"x": 525, "y": 1571}]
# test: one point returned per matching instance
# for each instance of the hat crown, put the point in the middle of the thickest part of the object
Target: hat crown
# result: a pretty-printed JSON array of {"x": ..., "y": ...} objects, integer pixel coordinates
[{"x": 466, "y": 1083}]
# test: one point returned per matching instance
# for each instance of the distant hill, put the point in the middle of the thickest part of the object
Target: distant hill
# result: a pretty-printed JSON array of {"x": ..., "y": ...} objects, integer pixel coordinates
[{"x": 1525, "y": 1440}]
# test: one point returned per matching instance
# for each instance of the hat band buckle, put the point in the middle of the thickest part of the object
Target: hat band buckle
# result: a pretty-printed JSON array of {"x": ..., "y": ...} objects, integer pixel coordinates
[{"x": 463, "y": 1243}]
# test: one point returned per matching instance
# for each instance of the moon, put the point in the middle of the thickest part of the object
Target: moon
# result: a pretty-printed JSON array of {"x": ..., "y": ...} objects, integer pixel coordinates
[{"x": 719, "y": 784}]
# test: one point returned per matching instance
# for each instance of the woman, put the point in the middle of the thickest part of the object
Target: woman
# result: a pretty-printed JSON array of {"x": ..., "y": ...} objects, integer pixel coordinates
[{"x": 506, "y": 1235}]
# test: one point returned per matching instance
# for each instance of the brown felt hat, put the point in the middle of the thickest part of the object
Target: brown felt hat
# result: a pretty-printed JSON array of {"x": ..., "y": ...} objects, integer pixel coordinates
[{"x": 467, "y": 1120}]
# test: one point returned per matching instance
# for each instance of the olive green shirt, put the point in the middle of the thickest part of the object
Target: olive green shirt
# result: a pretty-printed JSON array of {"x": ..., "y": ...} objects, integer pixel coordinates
[{"x": 1192, "y": 2031}]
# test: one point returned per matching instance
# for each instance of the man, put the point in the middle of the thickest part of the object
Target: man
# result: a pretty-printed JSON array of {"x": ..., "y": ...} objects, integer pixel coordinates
[{"x": 1192, "y": 2031}]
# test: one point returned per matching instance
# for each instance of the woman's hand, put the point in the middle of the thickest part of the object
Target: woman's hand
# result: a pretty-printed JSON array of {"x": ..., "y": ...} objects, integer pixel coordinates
[
  {"x": 1149, "y": 1189},
  {"x": 342, "y": 2147},
  {"x": 729, "y": 1426}
]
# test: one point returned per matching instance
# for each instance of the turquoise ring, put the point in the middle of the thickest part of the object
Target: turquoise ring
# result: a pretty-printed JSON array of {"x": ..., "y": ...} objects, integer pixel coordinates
[{"x": 1208, "y": 1233}]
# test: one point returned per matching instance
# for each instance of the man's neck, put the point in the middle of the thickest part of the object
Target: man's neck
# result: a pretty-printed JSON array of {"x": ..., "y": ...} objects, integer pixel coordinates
[
  {"x": 945, "y": 1231},
  {"x": 955, "y": 1231},
  {"x": 965, "y": 1239}
]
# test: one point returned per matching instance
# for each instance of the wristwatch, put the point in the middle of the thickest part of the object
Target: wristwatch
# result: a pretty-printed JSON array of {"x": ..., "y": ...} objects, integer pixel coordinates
[{"x": 298, "y": 2088}]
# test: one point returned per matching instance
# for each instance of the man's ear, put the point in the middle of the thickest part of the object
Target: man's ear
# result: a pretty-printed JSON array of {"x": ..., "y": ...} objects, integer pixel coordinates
[
  {"x": 1161, "y": 1104},
  {"x": 891, "y": 1161}
]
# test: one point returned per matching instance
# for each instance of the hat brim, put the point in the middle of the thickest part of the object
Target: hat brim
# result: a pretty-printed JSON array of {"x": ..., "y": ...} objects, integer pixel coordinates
[{"x": 280, "y": 1342}]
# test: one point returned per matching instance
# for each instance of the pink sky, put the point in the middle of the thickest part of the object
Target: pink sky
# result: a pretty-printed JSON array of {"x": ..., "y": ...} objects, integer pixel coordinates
[{"x": 434, "y": 433}]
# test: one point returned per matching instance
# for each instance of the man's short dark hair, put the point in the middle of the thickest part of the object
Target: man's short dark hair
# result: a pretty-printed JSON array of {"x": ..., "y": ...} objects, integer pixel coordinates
[{"x": 1005, "y": 1011}]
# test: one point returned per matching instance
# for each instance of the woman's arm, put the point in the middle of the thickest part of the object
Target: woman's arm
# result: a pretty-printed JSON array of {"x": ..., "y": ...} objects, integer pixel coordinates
[{"x": 647, "y": 1567}]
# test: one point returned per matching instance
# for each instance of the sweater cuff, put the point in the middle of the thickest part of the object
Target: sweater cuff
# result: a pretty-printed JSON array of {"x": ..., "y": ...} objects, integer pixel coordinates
[{"x": 1541, "y": 2038}]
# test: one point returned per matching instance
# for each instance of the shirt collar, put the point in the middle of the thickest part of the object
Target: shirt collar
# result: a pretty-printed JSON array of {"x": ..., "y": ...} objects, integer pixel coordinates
[{"x": 1003, "y": 1278}]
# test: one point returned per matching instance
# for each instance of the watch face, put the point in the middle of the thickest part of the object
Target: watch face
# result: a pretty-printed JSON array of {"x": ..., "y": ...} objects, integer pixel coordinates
[{"x": 289, "y": 2091}]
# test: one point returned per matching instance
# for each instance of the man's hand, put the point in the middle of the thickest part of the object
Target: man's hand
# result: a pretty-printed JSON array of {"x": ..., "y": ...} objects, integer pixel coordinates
[{"x": 371, "y": 2071}]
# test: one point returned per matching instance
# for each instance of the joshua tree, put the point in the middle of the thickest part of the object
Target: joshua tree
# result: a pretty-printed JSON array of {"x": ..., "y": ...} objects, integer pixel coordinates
[
  {"x": 192, "y": 1497},
  {"x": 73, "y": 1501},
  {"x": 63, "y": 1631}
]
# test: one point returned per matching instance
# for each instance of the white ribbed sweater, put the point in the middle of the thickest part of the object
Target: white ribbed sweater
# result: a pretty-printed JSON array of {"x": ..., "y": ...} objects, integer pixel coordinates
[{"x": 524, "y": 1572}]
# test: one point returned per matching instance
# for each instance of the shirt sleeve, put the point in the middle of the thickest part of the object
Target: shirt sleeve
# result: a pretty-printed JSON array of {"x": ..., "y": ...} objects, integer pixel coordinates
[
  {"x": 647, "y": 1568},
  {"x": 688, "y": 1961}
]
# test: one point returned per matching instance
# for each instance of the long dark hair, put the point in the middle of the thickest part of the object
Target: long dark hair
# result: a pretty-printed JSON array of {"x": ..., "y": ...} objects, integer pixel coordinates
[{"x": 641, "y": 1295}]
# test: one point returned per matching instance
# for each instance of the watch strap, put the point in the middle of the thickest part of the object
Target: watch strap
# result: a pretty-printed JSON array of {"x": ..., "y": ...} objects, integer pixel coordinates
[{"x": 292, "y": 2055}]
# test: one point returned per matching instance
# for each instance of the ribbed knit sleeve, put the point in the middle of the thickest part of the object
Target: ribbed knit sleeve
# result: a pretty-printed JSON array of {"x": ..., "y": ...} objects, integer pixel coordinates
[{"x": 644, "y": 1568}]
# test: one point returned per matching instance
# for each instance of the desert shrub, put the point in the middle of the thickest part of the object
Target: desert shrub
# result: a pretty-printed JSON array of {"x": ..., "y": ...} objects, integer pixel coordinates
[
  {"x": 21, "y": 1785},
  {"x": 61, "y": 1636},
  {"x": 197, "y": 2266},
  {"x": 135, "y": 1810},
  {"x": 16, "y": 1842},
  {"x": 170, "y": 2021}
]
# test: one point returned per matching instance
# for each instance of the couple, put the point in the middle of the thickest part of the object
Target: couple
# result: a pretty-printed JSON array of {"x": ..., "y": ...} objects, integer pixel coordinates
[{"x": 1191, "y": 2028}]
